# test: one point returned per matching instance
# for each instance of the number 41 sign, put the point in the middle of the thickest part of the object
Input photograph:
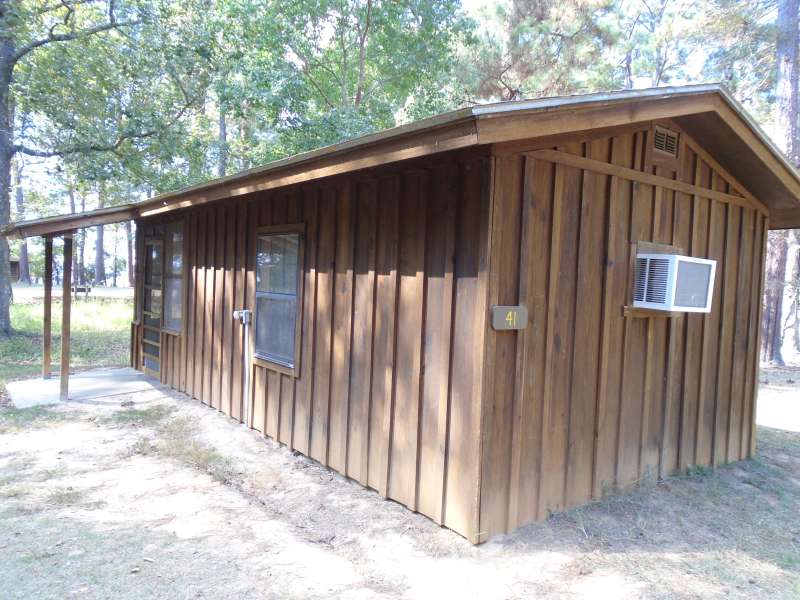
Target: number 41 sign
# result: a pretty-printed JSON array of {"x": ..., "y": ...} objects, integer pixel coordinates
[{"x": 509, "y": 317}]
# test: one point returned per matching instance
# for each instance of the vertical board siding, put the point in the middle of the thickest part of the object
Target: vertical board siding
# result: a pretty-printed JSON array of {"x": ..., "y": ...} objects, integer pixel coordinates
[
  {"x": 387, "y": 389},
  {"x": 586, "y": 400},
  {"x": 404, "y": 387}
]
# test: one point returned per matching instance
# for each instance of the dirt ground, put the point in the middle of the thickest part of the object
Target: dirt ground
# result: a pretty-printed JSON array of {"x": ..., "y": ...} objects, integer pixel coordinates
[{"x": 170, "y": 499}]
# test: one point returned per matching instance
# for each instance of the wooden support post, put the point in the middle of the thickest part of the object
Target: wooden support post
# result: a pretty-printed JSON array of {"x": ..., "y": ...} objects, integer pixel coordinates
[
  {"x": 48, "y": 303},
  {"x": 66, "y": 301}
]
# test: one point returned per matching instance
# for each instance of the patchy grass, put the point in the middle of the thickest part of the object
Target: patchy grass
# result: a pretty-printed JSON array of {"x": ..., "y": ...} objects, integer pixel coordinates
[
  {"x": 65, "y": 497},
  {"x": 145, "y": 521},
  {"x": 18, "y": 419},
  {"x": 179, "y": 438},
  {"x": 139, "y": 417},
  {"x": 100, "y": 336}
]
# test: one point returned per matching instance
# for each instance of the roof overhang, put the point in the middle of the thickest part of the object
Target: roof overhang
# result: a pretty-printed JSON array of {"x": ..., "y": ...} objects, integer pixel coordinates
[{"x": 708, "y": 112}]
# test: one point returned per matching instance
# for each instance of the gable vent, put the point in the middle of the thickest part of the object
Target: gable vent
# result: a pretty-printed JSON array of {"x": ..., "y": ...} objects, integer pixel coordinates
[
  {"x": 665, "y": 141},
  {"x": 651, "y": 280}
]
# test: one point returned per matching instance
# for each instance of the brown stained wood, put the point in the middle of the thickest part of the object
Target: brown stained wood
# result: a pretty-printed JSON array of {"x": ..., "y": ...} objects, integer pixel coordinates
[
  {"x": 740, "y": 337},
  {"x": 199, "y": 321},
  {"x": 676, "y": 351},
  {"x": 461, "y": 466},
  {"x": 644, "y": 178},
  {"x": 248, "y": 342},
  {"x": 226, "y": 385},
  {"x": 259, "y": 415},
  {"x": 434, "y": 409},
  {"x": 304, "y": 393},
  {"x": 66, "y": 314},
  {"x": 725, "y": 352},
  {"x": 208, "y": 307},
  {"x": 402, "y": 385},
  {"x": 288, "y": 382},
  {"x": 706, "y": 414},
  {"x": 635, "y": 359},
  {"x": 273, "y": 402},
  {"x": 521, "y": 402},
  {"x": 190, "y": 295},
  {"x": 404, "y": 446},
  {"x": 326, "y": 249},
  {"x": 560, "y": 338},
  {"x": 613, "y": 329},
  {"x": 754, "y": 338},
  {"x": 586, "y": 350},
  {"x": 220, "y": 319},
  {"x": 693, "y": 325},
  {"x": 655, "y": 370},
  {"x": 363, "y": 318},
  {"x": 331, "y": 161},
  {"x": 342, "y": 329},
  {"x": 499, "y": 365},
  {"x": 237, "y": 370},
  {"x": 384, "y": 336},
  {"x": 784, "y": 218},
  {"x": 538, "y": 199},
  {"x": 47, "y": 321}
]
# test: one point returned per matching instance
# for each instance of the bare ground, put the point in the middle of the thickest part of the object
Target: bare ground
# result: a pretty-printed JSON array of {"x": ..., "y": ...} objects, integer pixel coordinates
[{"x": 170, "y": 499}]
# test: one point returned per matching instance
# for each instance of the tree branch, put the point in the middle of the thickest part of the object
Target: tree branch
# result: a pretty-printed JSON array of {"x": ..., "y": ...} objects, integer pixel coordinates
[
  {"x": 75, "y": 34},
  {"x": 111, "y": 147}
]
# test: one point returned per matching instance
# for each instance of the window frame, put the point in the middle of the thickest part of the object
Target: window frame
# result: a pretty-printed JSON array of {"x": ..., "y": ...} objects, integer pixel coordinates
[
  {"x": 261, "y": 360},
  {"x": 179, "y": 224}
]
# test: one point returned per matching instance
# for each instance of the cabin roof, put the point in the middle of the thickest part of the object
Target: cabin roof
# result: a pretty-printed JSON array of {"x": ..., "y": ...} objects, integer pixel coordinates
[{"x": 707, "y": 112}]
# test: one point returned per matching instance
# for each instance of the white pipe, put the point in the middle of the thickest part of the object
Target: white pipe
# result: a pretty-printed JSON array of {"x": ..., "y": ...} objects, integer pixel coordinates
[{"x": 244, "y": 316}]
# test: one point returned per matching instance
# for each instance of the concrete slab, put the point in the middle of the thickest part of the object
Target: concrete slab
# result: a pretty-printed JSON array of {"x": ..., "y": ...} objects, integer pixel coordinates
[{"x": 99, "y": 386}]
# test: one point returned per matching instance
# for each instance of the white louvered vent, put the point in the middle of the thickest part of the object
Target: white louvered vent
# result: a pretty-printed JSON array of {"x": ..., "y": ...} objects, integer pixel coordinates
[
  {"x": 671, "y": 282},
  {"x": 652, "y": 280},
  {"x": 665, "y": 141}
]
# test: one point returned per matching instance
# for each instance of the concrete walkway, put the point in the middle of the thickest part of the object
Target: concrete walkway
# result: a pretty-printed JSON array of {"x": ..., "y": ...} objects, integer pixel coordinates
[{"x": 99, "y": 386}]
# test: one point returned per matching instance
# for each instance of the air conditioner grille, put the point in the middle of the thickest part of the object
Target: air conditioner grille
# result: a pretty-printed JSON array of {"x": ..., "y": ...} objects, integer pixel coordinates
[
  {"x": 640, "y": 283},
  {"x": 651, "y": 280},
  {"x": 666, "y": 141}
]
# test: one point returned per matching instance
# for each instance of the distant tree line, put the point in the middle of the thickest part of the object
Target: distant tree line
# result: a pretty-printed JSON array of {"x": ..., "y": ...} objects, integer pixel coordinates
[{"x": 117, "y": 100}]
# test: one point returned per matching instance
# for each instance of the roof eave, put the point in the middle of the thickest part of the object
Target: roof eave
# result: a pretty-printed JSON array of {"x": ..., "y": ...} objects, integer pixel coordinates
[{"x": 478, "y": 125}]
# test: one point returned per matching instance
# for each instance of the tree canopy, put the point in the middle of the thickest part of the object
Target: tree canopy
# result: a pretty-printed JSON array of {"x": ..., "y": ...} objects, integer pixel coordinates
[{"x": 118, "y": 99}]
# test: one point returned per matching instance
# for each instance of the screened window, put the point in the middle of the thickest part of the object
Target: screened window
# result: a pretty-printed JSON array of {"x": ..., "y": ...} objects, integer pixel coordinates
[
  {"x": 277, "y": 290},
  {"x": 173, "y": 277}
]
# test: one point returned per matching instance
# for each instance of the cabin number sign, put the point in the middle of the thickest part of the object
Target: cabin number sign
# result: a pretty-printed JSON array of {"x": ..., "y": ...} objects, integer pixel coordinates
[{"x": 509, "y": 317}]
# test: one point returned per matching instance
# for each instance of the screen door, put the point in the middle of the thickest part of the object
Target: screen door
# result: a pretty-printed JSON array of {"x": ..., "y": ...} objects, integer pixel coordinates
[{"x": 152, "y": 313}]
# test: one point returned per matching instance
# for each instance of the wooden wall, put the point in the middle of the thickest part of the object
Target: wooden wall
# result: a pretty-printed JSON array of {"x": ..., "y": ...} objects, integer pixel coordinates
[
  {"x": 402, "y": 384},
  {"x": 388, "y": 386},
  {"x": 586, "y": 400}
]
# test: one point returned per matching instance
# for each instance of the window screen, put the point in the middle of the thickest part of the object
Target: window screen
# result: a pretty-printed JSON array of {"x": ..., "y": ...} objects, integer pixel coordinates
[
  {"x": 173, "y": 277},
  {"x": 276, "y": 297}
]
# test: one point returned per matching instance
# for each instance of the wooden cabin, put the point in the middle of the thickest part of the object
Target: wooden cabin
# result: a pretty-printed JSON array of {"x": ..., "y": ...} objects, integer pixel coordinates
[
  {"x": 444, "y": 312},
  {"x": 13, "y": 269}
]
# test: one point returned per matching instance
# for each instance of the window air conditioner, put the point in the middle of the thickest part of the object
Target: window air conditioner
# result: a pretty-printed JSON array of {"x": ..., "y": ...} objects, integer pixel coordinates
[{"x": 674, "y": 283}]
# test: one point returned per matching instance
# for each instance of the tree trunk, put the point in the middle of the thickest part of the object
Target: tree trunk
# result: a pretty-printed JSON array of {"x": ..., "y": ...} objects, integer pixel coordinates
[
  {"x": 796, "y": 291},
  {"x": 222, "y": 167},
  {"x": 6, "y": 152},
  {"x": 76, "y": 271},
  {"x": 786, "y": 49},
  {"x": 115, "y": 232},
  {"x": 788, "y": 76},
  {"x": 772, "y": 323},
  {"x": 19, "y": 200},
  {"x": 129, "y": 238},
  {"x": 99, "y": 250}
]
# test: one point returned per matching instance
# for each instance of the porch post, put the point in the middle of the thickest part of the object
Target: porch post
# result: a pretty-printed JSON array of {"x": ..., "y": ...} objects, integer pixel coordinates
[
  {"x": 48, "y": 304},
  {"x": 66, "y": 301}
]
